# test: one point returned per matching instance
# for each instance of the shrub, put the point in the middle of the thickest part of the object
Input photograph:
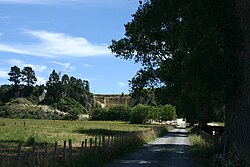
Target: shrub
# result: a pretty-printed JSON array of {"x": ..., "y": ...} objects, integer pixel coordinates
[
  {"x": 20, "y": 101},
  {"x": 69, "y": 105},
  {"x": 118, "y": 113},
  {"x": 139, "y": 113},
  {"x": 98, "y": 114},
  {"x": 168, "y": 112}
]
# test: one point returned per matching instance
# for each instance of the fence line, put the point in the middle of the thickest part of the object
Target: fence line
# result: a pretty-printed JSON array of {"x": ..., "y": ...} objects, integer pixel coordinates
[{"x": 52, "y": 155}]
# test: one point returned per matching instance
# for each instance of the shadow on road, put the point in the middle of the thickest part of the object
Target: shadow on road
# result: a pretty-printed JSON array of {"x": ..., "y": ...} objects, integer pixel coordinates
[
  {"x": 171, "y": 150},
  {"x": 159, "y": 156}
]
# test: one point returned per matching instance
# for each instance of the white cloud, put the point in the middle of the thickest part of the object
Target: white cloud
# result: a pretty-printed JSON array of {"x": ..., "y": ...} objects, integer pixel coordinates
[
  {"x": 66, "y": 66},
  {"x": 4, "y": 74},
  {"x": 40, "y": 80},
  {"x": 86, "y": 65},
  {"x": 52, "y": 44},
  {"x": 21, "y": 64},
  {"x": 122, "y": 84}
]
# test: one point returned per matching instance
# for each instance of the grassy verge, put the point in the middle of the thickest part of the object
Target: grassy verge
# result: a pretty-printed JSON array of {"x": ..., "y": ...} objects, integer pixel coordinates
[
  {"x": 102, "y": 157},
  {"x": 201, "y": 150}
]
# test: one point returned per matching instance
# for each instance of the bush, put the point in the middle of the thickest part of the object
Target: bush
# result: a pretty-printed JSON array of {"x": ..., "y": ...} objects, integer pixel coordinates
[
  {"x": 20, "y": 101},
  {"x": 98, "y": 114},
  {"x": 118, "y": 113},
  {"x": 69, "y": 105},
  {"x": 139, "y": 113}
]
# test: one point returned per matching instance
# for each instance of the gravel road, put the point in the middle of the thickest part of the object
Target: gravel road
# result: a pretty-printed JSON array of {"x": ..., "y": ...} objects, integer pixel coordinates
[{"x": 171, "y": 150}]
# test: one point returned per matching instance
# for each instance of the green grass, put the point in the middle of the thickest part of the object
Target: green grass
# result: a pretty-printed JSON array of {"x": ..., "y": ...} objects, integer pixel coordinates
[
  {"x": 14, "y": 131},
  {"x": 201, "y": 150}
]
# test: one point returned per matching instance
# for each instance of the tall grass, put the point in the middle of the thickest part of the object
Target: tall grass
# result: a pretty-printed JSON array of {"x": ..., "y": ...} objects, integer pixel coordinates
[{"x": 201, "y": 150}]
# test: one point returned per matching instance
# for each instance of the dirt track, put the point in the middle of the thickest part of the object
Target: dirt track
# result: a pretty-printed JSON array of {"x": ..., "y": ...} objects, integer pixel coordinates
[{"x": 171, "y": 150}]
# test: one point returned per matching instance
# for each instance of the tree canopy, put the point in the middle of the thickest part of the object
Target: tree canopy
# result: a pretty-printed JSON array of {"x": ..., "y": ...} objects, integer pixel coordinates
[
  {"x": 28, "y": 76},
  {"x": 15, "y": 75},
  {"x": 189, "y": 46}
]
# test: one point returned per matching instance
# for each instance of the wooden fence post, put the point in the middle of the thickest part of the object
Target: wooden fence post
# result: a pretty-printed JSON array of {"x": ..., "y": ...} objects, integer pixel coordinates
[
  {"x": 45, "y": 148},
  {"x": 86, "y": 142},
  {"x": 70, "y": 149},
  {"x": 99, "y": 142},
  {"x": 103, "y": 141},
  {"x": 19, "y": 152},
  {"x": 90, "y": 142},
  {"x": 82, "y": 145},
  {"x": 108, "y": 140},
  {"x": 55, "y": 149},
  {"x": 33, "y": 153},
  {"x": 95, "y": 141},
  {"x": 64, "y": 150}
]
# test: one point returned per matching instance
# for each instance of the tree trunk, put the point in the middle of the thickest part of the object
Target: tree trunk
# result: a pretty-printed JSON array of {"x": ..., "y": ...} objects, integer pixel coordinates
[
  {"x": 203, "y": 115},
  {"x": 237, "y": 122}
]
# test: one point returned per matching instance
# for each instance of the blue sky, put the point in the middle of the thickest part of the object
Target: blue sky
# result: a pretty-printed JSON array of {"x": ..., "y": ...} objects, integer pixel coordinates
[{"x": 70, "y": 36}]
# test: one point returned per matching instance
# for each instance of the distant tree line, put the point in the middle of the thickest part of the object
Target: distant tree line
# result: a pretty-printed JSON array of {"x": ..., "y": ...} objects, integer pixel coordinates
[
  {"x": 68, "y": 94},
  {"x": 138, "y": 114}
]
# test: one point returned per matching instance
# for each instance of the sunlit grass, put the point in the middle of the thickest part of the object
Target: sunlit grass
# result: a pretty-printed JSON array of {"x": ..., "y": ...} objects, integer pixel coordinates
[{"x": 13, "y": 130}]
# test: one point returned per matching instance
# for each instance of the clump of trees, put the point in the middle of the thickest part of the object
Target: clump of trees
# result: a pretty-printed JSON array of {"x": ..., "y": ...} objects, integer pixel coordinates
[
  {"x": 138, "y": 114},
  {"x": 69, "y": 94}
]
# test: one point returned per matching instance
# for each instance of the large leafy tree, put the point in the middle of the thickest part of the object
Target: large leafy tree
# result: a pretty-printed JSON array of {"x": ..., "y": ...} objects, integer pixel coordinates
[
  {"x": 15, "y": 75},
  {"x": 191, "y": 47},
  {"x": 197, "y": 47},
  {"x": 28, "y": 76}
]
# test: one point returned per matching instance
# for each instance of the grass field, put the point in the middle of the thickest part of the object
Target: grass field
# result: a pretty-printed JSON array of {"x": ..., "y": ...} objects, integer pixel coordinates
[
  {"x": 14, "y": 131},
  {"x": 28, "y": 131}
]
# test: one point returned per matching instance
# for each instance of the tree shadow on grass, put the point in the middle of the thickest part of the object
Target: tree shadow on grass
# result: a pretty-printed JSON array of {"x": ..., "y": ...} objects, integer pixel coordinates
[{"x": 100, "y": 132}]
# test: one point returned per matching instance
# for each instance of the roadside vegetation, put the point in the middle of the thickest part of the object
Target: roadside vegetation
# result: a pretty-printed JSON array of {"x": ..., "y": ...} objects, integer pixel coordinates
[{"x": 201, "y": 150}]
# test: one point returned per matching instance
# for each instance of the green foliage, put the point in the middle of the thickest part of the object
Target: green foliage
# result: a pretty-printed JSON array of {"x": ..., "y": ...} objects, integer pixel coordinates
[
  {"x": 98, "y": 114},
  {"x": 200, "y": 60},
  {"x": 28, "y": 76},
  {"x": 20, "y": 101},
  {"x": 23, "y": 108},
  {"x": 138, "y": 114},
  {"x": 201, "y": 150},
  {"x": 15, "y": 75},
  {"x": 113, "y": 113},
  {"x": 71, "y": 106},
  {"x": 162, "y": 113},
  {"x": 143, "y": 96},
  {"x": 118, "y": 113},
  {"x": 53, "y": 87}
]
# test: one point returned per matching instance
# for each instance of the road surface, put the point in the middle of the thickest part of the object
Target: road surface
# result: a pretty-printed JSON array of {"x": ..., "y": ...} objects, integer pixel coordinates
[{"x": 171, "y": 150}]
